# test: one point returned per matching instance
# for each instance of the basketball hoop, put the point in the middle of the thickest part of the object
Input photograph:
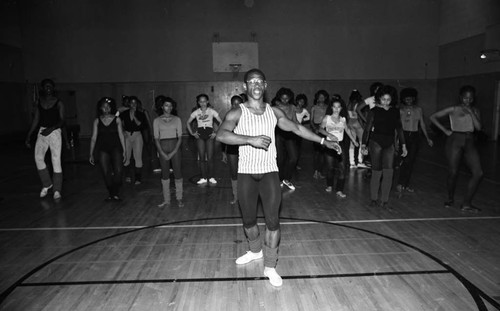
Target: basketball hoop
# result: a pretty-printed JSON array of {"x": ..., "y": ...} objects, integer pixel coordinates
[{"x": 235, "y": 69}]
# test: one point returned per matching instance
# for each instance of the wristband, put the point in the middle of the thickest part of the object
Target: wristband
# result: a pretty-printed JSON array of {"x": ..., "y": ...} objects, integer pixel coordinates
[{"x": 322, "y": 141}]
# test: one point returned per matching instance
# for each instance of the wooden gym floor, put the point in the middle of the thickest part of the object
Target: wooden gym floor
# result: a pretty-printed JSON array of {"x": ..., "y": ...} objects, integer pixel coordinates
[{"x": 336, "y": 254}]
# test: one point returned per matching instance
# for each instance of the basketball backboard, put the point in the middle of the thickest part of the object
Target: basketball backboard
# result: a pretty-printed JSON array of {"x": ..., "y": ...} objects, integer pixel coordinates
[{"x": 235, "y": 56}]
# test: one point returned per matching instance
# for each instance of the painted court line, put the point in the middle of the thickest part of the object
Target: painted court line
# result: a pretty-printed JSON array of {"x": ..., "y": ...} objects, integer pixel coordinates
[{"x": 239, "y": 224}]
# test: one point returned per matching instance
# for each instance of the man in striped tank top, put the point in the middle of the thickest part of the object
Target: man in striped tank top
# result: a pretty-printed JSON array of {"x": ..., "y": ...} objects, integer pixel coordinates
[{"x": 251, "y": 126}]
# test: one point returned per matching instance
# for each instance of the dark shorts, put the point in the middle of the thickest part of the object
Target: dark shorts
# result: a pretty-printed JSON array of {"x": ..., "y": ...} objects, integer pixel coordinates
[{"x": 205, "y": 132}]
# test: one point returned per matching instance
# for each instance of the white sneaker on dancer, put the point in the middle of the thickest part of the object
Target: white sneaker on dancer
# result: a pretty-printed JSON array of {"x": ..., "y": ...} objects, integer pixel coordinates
[
  {"x": 288, "y": 184},
  {"x": 273, "y": 276},
  {"x": 362, "y": 165},
  {"x": 249, "y": 257},
  {"x": 202, "y": 181},
  {"x": 57, "y": 195},
  {"x": 212, "y": 181},
  {"x": 44, "y": 191}
]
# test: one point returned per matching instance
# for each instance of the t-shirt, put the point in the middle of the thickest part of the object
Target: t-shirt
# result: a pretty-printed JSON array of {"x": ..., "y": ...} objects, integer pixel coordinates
[
  {"x": 163, "y": 129},
  {"x": 335, "y": 128},
  {"x": 303, "y": 116},
  {"x": 205, "y": 119}
]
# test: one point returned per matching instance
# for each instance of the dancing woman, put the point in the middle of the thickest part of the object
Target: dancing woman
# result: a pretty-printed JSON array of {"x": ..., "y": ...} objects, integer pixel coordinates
[
  {"x": 382, "y": 124},
  {"x": 318, "y": 111},
  {"x": 109, "y": 144},
  {"x": 334, "y": 126},
  {"x": 49, "y": 115},
  {"x": 134, "y": 122},
  {"x": 205, "y": 136},
  {"x": 167, "y": 133},
  {"x": 231, "y": 152},
  {"x": 412, "y": 119},
  {"x": 286, "y": 142},
  {"x": 355, "y": 99},
  {"x": 464, "y": 121}
]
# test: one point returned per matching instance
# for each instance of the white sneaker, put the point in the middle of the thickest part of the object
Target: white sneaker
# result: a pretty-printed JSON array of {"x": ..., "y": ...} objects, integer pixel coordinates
[
  {"x": 249, "y": 257},
  {"x": 212, "y": 181},
  {"x": 201, "y": 181},
  {"x": 273, "y": 276},
  {"x": 57, "y": 195},
  {"x": 44, "y": 191},
  {"x": 363, "y": 165},
  {"x": 328, "y": 189},
  {"x": 340, "y": 194},
  {"x": 288, "y": 184},
  {"x": 164, "y": 204}
]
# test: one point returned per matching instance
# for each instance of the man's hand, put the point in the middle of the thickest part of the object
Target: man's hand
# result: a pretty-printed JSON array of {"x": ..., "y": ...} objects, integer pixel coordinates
[
  {"x": 364, "y": 150},
  {"x": 404, "y": 151},
  {"x": 333, "y": 145},
  {"x": 261, "y": 142}
]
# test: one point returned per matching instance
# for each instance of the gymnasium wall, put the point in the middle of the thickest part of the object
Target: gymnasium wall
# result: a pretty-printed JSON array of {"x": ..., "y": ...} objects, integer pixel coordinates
[
  {"x": 112, "y": 48},
  {"x": 124, "y": 41},
  {"x": 463, "y": 34}
]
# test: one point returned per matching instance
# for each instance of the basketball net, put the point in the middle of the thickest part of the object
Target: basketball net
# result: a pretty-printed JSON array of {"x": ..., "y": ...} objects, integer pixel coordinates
[{"x": 235, "y": 69}]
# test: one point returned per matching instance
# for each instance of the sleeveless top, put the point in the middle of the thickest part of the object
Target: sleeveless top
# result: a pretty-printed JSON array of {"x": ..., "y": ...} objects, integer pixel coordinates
[
  {"x": 107, "y": 136},
  {"x": 335, "y": 128},
  {"x": 49, "y": 117},
  {"x": 353, "y": 114},
  {"x": 253, "y": 160},
  {"x": 410, "y": 117},
  {"x": 461, "y": 121}
]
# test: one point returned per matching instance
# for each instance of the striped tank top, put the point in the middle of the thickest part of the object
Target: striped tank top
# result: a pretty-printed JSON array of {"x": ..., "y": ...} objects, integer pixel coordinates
[{"x": 255, "y": 160}]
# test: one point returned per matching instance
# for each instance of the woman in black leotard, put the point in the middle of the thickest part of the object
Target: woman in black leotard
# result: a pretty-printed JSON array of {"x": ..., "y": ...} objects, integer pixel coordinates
[
  {"x": 464, "y": 121},
  {"x": 108, "y": 142},
  {"x": 49, "y": 116},
  {"x": 382, "y": 124}
]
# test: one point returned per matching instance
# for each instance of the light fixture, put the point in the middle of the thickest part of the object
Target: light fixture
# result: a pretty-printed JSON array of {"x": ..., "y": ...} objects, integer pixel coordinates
[{"x": 490, "y": 54}]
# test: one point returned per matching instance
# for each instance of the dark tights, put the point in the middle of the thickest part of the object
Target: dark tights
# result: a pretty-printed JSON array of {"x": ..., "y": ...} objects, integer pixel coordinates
[
  {"x": 412, "y": 140},
  {"x": 458, "y": 145},
  {"x": 337, "y": 162},
  {"x": 233, "y": 165},
  {"x": 287, "y": 154},
  {"x": 111, "y": 163},
  {"x": 382, "y": 170},
  {"x": 251, "y": 187}
]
